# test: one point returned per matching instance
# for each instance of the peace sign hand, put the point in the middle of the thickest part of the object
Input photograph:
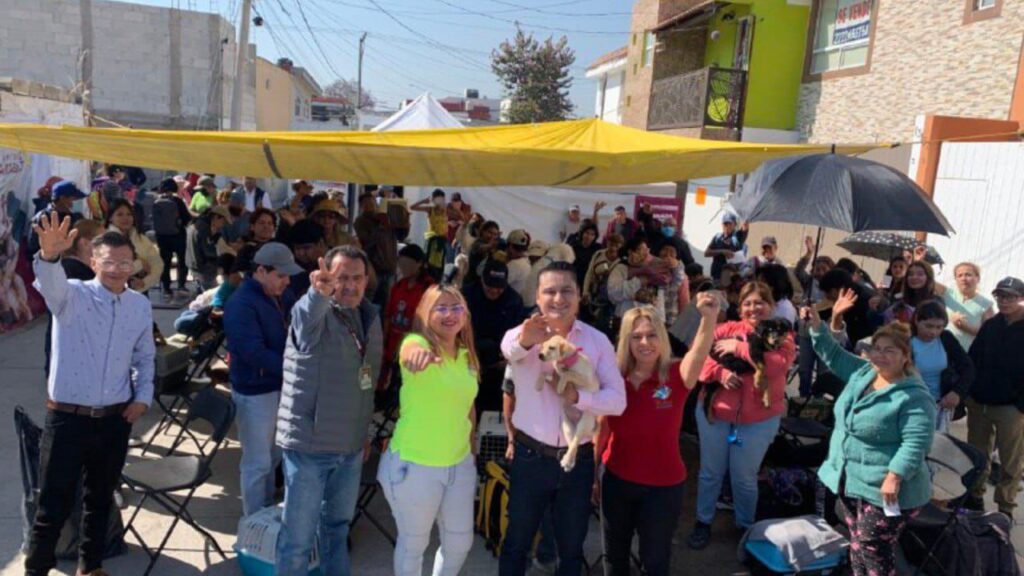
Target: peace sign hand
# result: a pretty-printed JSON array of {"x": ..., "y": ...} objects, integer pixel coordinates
[
  {"x": 322, "y": 280},
  {"x": 55, "y": 235}
]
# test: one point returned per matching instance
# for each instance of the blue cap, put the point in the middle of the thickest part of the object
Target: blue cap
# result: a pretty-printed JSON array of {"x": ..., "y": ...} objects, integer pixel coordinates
[
  {"x": 66, "y": 188},
  {"x": 728, "y": 218}
]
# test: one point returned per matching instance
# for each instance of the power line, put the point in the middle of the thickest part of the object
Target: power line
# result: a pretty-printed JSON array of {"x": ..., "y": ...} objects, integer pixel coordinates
[
  {"x": 527, "y": 24},
  {"x": 520, "y": 8},
  {"x": 418, "y": 34},
  {"x": 302, "y": 13}
]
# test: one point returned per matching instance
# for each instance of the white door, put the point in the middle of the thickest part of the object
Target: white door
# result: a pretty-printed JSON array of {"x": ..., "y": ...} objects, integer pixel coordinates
[{"x": 980, "y": 189}]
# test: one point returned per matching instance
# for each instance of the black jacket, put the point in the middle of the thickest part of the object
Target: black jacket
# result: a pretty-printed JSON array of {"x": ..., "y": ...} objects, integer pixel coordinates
[
  {"x": 998, "y": 355},
  {"x": 959, "y": 373}
]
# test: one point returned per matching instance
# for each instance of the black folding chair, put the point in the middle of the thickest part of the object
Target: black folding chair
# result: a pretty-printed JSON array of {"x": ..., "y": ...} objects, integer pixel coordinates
[
  {"x": 182, "y": 390},
  {"x": 381, "y": 430},
  {"x": 799, "y": 429},
  {"x": 158, "y": 478},
  {"x": 956, "y": 467}
]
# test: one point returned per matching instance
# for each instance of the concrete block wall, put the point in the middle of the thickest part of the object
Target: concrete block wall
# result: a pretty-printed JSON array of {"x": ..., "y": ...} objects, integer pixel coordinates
[
  {"x": 923, "y": 61},
  {"x": 151, "y": 66}
]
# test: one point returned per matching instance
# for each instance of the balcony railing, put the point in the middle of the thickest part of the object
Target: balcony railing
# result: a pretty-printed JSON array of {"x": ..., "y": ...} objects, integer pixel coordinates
[{"x": 705, "y": 97}]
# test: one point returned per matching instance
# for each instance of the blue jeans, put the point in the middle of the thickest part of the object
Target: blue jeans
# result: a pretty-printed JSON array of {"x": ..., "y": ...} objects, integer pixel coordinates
[
  {"x": 419, "y": 495},
  {"x": 535, "y": 482},
  {"x": 257, "y": 421},
  {"x": 742, "y": 461},
  {"x": 320, "y": 494}
]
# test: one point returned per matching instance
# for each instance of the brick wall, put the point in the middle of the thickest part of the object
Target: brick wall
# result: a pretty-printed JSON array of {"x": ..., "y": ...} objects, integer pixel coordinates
[
  {"x": 924, "y": 60},
  {"x": 150, "y": 66},
  {"x": 637, "y": 98}
]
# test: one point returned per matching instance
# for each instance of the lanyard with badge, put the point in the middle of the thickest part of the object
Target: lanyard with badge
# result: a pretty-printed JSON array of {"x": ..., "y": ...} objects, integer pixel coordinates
[{"x": 365, "y": 380}]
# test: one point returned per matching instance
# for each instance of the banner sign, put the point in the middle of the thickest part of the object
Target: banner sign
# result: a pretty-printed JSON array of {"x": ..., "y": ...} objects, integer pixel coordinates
[
  {"x": 661, "y": 206},
  {"x": 853, "y": 22}
]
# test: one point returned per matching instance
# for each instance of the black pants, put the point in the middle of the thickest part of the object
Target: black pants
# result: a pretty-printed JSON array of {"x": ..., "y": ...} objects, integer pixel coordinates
[
  {"x": 76, "y": 447},
  {"x": 171, "y": 246},
  {"x": 650, "y": 512}
]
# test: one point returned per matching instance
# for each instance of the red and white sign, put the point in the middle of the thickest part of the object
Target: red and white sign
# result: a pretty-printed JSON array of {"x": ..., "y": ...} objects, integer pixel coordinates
[{"x": 853, "y": 22}]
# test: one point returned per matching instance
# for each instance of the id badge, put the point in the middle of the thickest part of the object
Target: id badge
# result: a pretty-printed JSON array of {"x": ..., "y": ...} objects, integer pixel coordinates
[{"x": 365, "y": 382}]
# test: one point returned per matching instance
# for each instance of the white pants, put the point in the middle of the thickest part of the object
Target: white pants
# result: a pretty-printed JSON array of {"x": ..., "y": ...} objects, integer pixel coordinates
[{"x": 419, "y": 495}]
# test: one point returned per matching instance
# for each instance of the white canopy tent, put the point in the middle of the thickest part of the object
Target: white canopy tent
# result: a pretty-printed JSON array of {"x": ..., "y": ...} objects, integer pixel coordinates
[{"x": 537, "y": 209}]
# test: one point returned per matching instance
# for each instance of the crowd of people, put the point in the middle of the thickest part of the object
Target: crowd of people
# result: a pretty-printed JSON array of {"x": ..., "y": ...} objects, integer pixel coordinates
[{"x": 327, "y": 324}]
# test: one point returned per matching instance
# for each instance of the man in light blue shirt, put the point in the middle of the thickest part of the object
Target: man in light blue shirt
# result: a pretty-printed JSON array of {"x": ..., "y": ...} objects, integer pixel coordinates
[{"x": 100, "y": 383}]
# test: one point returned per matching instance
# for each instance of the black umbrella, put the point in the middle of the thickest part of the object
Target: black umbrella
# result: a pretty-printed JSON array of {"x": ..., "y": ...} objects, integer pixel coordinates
[
  {"x": 886, "y": 246},
  {"x": 840, "y": 192}
]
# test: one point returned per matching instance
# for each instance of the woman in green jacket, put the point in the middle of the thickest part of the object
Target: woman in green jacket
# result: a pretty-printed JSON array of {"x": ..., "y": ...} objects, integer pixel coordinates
[{"x": 885, "y": 419}]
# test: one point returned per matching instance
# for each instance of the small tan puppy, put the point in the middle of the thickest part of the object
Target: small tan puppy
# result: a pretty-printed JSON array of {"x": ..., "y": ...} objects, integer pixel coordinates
[{"x": 571, "y": 367}]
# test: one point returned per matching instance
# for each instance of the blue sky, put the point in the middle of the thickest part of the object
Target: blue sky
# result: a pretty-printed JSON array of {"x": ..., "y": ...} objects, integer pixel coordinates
[{"x": 441, "y": 46}]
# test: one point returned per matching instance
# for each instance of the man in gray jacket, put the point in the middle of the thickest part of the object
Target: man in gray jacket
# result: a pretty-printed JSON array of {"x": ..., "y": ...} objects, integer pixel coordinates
[{"x": 331, "y": 362}]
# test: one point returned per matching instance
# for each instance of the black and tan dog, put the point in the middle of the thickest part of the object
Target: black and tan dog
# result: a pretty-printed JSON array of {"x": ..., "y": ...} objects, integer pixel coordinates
[{"x": 768, "y": 336}]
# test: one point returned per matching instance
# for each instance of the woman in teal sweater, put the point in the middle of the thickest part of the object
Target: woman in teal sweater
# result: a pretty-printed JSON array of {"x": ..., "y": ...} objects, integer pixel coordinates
[{"x": 885, "y": 418}]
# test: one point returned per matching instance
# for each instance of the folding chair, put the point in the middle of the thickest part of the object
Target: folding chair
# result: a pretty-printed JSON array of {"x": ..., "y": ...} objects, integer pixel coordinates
[
  {"x": 368, "y": 489},
  {"x": 955, "y": 467},
  {"x": 156, "y": 479},
  {"x": 796, "y": 428},
  {"x": 181, "y": 391}
]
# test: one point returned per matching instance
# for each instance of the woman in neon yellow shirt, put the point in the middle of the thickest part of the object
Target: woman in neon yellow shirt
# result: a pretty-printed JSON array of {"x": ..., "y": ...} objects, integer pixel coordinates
[{"x": 428, "y": 473}]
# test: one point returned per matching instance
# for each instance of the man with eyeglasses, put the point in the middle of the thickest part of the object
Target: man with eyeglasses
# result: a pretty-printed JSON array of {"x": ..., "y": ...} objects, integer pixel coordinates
[
  {"x": 538, "y": 481},
  {"x": 256, "y": 325},
  {"x": 995, "y": 403},
  {"x": 332, "y": 361},
  {"x": 100, "y": 383}
]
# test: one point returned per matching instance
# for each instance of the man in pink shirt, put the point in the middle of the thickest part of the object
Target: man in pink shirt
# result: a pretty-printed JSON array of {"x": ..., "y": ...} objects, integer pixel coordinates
[{"x": 537, "y": 481}]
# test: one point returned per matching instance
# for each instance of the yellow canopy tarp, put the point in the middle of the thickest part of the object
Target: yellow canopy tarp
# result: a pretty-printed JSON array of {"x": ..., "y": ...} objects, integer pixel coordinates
[{"x": 571, "y": 153}]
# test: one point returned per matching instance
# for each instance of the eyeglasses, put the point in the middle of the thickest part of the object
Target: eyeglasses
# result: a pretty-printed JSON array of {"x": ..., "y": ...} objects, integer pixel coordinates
[
  {"x": 110, "y": 265},
  {"x": 885, "y": 350},
  {"x": 454, "y": 310}
]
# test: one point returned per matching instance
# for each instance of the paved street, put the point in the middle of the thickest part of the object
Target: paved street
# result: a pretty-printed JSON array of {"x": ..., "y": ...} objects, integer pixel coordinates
[{"x": 217, "y": 505}]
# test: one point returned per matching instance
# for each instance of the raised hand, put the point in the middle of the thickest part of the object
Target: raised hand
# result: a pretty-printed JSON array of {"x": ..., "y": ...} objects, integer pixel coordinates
[
  {"x": 55, "y": 235},
  {"x": 322, "y": 280},
  {"x": 535, "y": 331},
  {"x": 809, "y": 314},
  {"x": 599, "y": 205},
  {"x": 809, "y": 244},
  {"x": 708, "y": 305},
  {"x": 847, "y": 299}
]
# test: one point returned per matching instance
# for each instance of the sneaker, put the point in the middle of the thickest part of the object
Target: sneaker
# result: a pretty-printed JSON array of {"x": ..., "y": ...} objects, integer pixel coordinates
[{"x": 700, "y": 537}]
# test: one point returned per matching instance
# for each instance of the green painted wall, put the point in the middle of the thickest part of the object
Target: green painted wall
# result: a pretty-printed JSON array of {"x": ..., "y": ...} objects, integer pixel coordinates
[{"x": 776, "y": 58}]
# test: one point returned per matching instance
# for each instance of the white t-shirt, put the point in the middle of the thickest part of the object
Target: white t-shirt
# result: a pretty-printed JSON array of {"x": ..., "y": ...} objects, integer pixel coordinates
[
  {"x": 518, "y": 272},
  {"x": 785, "y": 309},
  {"x": 250, "y": 201}
]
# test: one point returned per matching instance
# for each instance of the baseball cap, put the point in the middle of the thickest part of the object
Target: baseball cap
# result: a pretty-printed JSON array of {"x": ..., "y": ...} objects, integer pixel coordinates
[
  {"x": 574, "y": 208},
  {"x": 519, "y": 238},
  {"x": 278, "y": 256},
  {"x": 769, "y": 241},
  {"x": 537, "y": 248},
  {"x": 728, "y": 217},
  {"x": 305, "y": 231},
  {"x": 412, "y": 252},
  {"x": 222, "y": 212},
  {"x": 1010, "y": 285},
  {"x": 495, "y": 274},
  {"x": 206, "y": 180},
  {"x": 67, "y": 188}
]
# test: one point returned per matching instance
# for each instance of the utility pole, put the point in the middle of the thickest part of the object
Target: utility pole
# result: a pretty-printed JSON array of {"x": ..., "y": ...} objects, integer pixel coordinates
[
  {"x": 241, "y": 65},
  {"x": 359, "y": 83}
]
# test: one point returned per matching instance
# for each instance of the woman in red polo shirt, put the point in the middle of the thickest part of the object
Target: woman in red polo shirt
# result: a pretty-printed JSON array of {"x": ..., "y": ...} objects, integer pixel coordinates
[{"x": 641, "y": 489}]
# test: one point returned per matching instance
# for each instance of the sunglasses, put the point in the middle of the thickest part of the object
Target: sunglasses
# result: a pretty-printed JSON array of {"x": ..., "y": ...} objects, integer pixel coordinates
[{"x": 455, "y": 310}]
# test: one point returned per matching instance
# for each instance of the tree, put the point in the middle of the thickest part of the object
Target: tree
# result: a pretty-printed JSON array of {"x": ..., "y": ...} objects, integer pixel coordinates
[
  {"x": 535, "y": 76},
  {"x": 342, "y": 88}
]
